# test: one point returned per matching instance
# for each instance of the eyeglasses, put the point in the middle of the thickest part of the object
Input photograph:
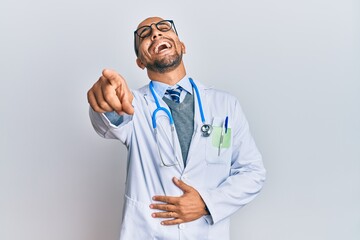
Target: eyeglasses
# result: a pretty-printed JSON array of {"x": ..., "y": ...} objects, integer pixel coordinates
[{"x": 145, "y": 31}]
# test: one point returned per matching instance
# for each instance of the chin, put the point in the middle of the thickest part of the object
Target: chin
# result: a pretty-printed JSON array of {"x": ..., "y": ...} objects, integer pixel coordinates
[{"x": 166, "y": 64}]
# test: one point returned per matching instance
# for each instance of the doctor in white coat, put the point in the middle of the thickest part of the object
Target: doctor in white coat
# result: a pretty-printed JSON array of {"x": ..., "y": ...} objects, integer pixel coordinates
[{"x": 192, "y": 163}]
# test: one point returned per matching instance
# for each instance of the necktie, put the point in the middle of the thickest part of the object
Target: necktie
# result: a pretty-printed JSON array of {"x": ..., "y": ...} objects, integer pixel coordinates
[{"x": 174, "y": 94}]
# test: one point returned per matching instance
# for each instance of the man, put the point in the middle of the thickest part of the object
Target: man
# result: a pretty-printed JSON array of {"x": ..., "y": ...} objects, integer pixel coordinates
[{"x": 183, "y": 183}]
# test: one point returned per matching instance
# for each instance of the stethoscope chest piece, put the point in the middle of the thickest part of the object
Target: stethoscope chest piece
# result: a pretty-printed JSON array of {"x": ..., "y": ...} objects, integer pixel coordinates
[{"x": 206, "y": 130}]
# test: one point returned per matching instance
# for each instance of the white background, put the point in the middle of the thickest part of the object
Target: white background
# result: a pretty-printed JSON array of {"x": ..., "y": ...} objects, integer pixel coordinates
[{"x": 294, "y": 65}]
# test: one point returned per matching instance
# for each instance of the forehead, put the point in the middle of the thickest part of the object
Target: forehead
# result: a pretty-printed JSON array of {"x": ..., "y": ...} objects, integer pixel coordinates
[{"x": 149, "y": 21}]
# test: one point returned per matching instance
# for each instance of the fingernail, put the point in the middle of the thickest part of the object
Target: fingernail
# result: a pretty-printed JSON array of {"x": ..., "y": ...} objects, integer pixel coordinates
[
  {"x": 153, "y": 215},
  {"x": 151, "y": 206}
]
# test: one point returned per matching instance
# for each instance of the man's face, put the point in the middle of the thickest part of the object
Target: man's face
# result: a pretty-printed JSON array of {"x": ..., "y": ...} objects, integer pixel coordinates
[{"x": 160, "y": 51}]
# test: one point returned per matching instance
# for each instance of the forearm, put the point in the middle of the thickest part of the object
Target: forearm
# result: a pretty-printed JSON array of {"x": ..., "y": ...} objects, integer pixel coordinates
[{"x": 111, "y": 125}]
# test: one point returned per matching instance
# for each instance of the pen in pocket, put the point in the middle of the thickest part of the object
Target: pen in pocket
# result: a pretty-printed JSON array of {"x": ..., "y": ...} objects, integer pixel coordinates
[
  {"x": 225, "y": 126},
  {"x": 226, "y": 123}
]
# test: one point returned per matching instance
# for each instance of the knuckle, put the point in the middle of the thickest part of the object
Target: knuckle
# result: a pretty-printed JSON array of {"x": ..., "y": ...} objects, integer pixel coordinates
[
  {"x": 104, "y": 105},
  {"x": 89, "y": 95},
  {"x": 95, "y": 87},
  {"x": 102, "y": 79},
  {"x": 182, "y": 210},
  {"x": 97, "y": 109},
  {"x": 107, "y": 96}
]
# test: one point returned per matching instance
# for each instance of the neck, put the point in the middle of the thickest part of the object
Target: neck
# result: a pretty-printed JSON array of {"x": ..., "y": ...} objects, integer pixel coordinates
[{"x": 170, "y": 78}]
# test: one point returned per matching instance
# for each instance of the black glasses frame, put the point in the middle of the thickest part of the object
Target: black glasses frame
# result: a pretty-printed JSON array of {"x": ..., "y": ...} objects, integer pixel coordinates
[{"x": 136, "y": 32}]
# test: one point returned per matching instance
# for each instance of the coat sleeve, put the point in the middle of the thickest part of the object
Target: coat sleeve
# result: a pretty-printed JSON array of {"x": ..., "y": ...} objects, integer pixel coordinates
[
  {"x": 246, "y": 178},
  {"x": 113, "y": 126}
]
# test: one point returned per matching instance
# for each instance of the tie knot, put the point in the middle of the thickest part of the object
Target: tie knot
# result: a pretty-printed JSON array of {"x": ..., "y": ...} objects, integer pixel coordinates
[{"x": 174, "y": 93}]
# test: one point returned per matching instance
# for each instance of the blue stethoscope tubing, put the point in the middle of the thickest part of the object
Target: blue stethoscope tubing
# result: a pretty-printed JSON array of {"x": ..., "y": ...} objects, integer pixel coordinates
[
  {"x": 159, "y": 108},
  {"x": 205, "y": 129}
]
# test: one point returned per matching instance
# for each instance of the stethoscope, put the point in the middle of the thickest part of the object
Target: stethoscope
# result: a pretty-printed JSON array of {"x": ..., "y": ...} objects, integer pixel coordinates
[{"x": 205, "y": 129}]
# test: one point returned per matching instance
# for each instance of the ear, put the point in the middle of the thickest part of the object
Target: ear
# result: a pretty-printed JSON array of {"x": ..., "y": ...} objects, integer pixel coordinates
[
  {"x": 140, "y": 63},
  {"x": 183, "y": 48}
]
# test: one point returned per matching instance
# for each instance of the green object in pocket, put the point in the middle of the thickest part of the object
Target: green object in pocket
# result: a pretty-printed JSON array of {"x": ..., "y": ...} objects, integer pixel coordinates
[{"x": 216, "y": 135}]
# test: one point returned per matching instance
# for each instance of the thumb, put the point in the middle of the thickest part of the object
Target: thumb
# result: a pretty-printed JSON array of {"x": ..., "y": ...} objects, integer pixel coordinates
[
  {"x": 182, "y": 185},
  {"x": 126, "y": 97},
  {"x": 127, "y": 107}
]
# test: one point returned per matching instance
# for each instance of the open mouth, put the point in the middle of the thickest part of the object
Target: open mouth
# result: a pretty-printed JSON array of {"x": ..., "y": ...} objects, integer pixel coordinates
[{"x": 162, "y": 46}]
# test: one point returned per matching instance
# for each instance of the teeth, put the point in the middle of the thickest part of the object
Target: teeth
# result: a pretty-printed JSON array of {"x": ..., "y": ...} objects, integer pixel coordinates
[{"x": 168, "y": 45}]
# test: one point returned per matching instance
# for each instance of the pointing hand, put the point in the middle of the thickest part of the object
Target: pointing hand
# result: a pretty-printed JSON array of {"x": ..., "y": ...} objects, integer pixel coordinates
[{"x": 111, "y": 93}]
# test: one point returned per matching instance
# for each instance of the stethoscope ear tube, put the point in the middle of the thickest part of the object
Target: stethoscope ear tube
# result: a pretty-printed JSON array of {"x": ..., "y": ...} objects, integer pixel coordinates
[
  {"x": 206, "y": 129},
  {"x": 199, "y": 100}
]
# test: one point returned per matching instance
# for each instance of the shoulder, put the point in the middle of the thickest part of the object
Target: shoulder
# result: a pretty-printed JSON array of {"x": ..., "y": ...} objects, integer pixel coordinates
[
  {"x": 140, "y": 91},
  {"x": 212, "y": 92}
]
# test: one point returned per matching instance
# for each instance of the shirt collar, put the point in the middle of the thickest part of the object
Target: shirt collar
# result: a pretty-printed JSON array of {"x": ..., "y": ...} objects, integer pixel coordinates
[{"x": 160, "y": 87}]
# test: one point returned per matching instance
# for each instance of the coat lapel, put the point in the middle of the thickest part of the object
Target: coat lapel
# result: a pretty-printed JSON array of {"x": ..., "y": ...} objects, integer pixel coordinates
[{"x": 197, "y": 139}]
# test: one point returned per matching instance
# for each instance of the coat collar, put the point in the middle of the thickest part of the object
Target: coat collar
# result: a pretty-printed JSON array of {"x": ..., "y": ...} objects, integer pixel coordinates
[{"x": 160, "y": 88}]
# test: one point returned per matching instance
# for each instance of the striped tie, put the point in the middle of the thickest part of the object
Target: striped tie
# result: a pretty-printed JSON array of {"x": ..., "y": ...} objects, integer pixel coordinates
[{"x": 174, "y": 94}]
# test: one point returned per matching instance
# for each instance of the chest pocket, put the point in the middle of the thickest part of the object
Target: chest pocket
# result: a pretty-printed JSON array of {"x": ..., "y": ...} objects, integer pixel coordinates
[{"x": 219, "y": 143}]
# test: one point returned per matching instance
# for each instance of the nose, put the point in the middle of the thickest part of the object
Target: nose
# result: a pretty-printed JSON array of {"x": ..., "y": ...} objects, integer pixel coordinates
[{"x": 155, "y": 33}]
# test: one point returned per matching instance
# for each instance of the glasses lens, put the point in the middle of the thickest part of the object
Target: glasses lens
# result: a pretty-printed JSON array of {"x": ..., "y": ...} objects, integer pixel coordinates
[
  {"x": 144, "y": 31},
  {"x": 164, "y": 26}
]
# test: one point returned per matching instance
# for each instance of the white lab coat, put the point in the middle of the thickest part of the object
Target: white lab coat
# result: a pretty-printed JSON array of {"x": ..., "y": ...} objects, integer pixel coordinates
[{"x": 226, "y": 182}]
